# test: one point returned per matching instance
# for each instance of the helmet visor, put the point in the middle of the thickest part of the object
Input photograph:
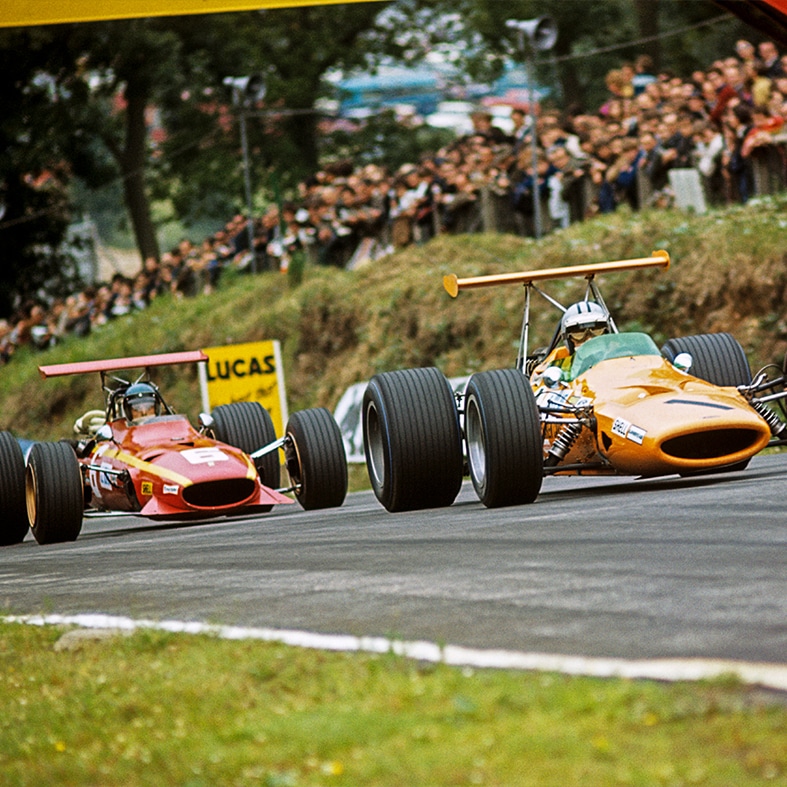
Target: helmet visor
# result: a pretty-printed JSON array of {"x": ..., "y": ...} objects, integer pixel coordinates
[
  {"x": 142, "y": 407},
  {"x": 581, "y": 333}
]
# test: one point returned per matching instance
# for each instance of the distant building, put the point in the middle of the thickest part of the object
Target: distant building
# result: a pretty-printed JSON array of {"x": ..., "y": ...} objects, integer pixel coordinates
[
  {"x": 426, "y": 89},
  {"x": 364, "y": 94}
]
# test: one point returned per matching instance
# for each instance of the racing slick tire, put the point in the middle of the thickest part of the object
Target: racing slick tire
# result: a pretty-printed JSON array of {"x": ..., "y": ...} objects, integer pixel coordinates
[
  {"x": 54, "y": 492},
  {"x": 503, "y": 436},
  {"x": 412, "y": 439},
  {"x": 315, "y": 459},
  {"x": 248, "y": 426},
  {"x": 718, "y": 357},
  {"x": 13, "y": 518}
]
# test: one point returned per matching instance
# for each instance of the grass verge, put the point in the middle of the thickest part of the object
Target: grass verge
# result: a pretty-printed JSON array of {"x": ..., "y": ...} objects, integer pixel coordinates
[{"x": 154, "y": 708}]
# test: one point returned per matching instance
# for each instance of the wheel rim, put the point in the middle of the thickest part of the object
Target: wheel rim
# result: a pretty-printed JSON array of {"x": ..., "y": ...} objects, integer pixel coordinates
[
  {"x": 476, "y": 447},
  {"x": 31, "y": 495},
  {"x": 375, "y": 454},
  {"x": 292, "y": 461}
]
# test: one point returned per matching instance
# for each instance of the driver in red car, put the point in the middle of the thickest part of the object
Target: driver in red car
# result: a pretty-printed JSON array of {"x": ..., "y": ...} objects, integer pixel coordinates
[{"x": 141, "y": 402}]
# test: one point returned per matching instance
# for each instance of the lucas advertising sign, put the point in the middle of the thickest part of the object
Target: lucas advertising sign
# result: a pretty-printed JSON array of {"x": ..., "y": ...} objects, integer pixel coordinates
[{"x": 250, "y": 372}]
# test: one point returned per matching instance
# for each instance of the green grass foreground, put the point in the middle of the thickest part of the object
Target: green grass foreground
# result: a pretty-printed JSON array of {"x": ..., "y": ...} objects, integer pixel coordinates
[{"x": 155, "y": 708}]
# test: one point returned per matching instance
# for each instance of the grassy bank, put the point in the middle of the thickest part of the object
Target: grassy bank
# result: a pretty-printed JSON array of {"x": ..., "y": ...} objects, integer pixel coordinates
[
  {"x": 161, "y": 709},
  {"x": 728, "y": 273}
]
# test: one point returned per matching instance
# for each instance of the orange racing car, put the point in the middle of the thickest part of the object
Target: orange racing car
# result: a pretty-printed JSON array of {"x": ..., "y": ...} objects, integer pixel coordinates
[
  {"x": 594, "y": 401},
  {"x": 139, "y": 456}
]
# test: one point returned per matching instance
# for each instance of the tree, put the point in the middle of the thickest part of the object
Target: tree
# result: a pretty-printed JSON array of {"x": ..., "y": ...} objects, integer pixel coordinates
[
  {"x": 79, "y": 100},
  {"x": 34, "y": 171},
  {"x": 293, "y": 49},
  {"x": 594, "y": 36},
  {"x": 143, "y": 100}
]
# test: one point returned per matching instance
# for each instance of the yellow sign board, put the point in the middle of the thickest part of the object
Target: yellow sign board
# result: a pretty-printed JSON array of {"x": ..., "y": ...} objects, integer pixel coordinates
[{"x": 250, "y": 372}]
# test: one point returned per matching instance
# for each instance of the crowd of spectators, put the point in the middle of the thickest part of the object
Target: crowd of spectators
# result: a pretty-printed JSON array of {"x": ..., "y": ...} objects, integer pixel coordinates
[
  {"x": 712, "y": 123},
  {"x": 650, "y": 128}
]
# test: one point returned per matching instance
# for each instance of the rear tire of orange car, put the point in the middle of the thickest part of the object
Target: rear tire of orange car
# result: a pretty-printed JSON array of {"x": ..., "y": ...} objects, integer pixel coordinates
[
  {"x": 316, "y": 460},
  {"x": 717, "y": 358},
  {"x": 13, "y": 516},
  {"x": 54, "y": 492},
  {"x": 503, "y": 436},
  {"x": 412, "y": 439},
  {"x": 248, "y": 426}
]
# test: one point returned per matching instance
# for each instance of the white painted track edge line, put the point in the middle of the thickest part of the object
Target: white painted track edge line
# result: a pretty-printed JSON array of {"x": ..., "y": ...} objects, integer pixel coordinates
[{"x": 773, "y": 676}]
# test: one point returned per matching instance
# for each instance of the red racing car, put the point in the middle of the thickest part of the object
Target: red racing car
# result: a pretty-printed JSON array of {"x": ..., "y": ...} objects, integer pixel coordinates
[{"x": 139, "y": 456}]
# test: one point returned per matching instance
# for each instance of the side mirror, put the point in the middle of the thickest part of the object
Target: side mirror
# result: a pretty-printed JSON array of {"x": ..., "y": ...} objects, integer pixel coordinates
[
  {"x": 205, "y": 421},
  {"x": 683, "y": 362},
  {"x": 552, "y": 376},
  {"x": 104, "y": 432}
]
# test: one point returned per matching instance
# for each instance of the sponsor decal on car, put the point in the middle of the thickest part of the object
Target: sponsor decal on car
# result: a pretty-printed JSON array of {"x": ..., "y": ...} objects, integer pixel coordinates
[
  {"x": 620, "y": 427},
  {"x": 636, "y": 434},
  {"x": 204, "y": 456}
]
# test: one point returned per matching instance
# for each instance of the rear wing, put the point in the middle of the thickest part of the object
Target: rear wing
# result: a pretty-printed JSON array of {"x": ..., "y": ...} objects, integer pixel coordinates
[
  {"x": 118, "y": 364},
  {"x": 453, "y": 284}
]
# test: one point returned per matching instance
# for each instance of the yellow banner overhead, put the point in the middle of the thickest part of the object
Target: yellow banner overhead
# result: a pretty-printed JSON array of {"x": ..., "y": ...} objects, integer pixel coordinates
[
  {"x": 26, "y": 13},
  {"x": 250, "y": 372}
]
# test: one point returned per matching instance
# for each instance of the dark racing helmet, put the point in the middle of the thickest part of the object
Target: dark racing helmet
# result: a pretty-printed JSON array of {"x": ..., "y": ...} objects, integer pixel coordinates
[
  {"x": 141, "y": 400},
  {"x": 582, "y": 321}
]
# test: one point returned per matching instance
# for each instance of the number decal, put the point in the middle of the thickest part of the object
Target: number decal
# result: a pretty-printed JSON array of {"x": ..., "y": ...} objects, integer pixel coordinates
[{"x": 204, "y": 456}]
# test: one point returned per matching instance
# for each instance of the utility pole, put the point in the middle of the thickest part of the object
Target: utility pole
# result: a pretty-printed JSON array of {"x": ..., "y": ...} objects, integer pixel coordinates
[
  {"x": 247, "y": 91},
  {"x": 541, "y": 35}
]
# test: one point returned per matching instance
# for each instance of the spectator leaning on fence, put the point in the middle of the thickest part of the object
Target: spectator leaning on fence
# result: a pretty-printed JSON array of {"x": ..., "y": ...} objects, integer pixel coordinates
[
  {"x": 709, "y": 148},
  {"x": 738, "y": 125},
  {"x": 567, "y": 185},
  {"x": 769, "y": 55}
]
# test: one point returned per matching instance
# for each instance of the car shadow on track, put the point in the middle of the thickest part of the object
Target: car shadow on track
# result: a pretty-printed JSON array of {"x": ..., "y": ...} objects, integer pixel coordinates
[{"x": 609, "y": 486}]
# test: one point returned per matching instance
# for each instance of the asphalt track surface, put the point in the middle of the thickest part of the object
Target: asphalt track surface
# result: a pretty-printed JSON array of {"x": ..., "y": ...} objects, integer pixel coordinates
[{"x": 615, "y": 568}]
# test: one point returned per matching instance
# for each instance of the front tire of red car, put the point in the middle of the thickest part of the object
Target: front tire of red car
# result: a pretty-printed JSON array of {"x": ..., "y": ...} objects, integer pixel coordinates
[
  {"x": 13, "y": 520},
  {"x": 503, "y": 436},
  {"x": 54, "y": 493},
  {"x": 316, "y": 460}
]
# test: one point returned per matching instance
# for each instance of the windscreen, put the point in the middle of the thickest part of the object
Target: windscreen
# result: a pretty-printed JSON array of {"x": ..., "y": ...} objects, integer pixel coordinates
[{"x": 611, "y": 345}]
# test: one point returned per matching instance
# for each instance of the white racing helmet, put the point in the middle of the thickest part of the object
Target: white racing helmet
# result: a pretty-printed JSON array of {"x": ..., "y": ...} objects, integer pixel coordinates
[{"x": 582, "y": 321}]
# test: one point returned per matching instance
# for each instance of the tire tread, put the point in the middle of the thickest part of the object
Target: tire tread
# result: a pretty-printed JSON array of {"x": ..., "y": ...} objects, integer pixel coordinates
[{"x": 323, "y": 462}]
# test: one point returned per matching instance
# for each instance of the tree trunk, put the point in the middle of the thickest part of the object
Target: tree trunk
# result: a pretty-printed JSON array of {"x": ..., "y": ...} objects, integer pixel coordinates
[
  {"x": 303, "y": 132},
  {"x": 574, "y": 95},
  {"x": 133, "y": 162}
]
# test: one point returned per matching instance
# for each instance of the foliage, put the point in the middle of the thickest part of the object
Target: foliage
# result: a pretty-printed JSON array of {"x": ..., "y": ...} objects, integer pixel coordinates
[
  {"x": 594, "y": 38},
  {"x": 79, "y": 100},
  {"x": 34, "y": 209}
]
